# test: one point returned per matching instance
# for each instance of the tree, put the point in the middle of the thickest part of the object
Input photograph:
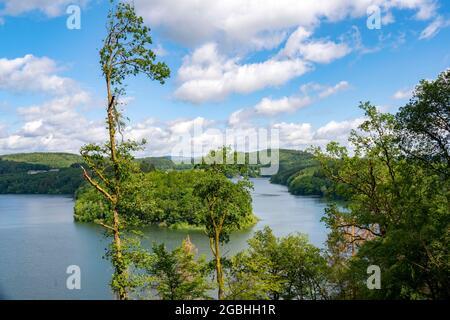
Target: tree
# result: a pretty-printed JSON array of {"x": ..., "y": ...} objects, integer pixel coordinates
[
  {"x": 125, "y": 52},
  {"x": 177, "y": 275},
  {"x": 396, "y": 216},
  {"x": 369, "y": 176},
  {"x": 424, "y": 123},
  {"x": 228, "y": 208},
  {"x": 227, "y": 162},
  {"x": 275, "y": 268}
]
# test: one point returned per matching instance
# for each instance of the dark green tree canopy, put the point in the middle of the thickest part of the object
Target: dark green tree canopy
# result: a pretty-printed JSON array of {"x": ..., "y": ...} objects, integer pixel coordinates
[
  {"x": 228, "y": 204},
  {"x": 424, "y": 122}
]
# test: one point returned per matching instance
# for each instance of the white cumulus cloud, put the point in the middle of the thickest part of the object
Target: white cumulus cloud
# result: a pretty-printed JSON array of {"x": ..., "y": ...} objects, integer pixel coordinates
[
  {"x": 33, "y": 74},
  {"x": 310, "y": 93},
  {"x": 268, "y": 106},
  {"x": 207, "y": 75},
  {"x": 403, "y": 94},
  {"x": 329, "y": 91},
  {"x": 257, "y": 23},
  {"x": 319, "y": 51},
  {"x": 50, "y": 8}
]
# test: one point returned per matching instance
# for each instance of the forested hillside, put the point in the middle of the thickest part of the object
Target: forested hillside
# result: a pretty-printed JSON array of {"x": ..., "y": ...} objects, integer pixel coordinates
[
  {"x": 40, "y": 173},
  {"x": 51, "y": 159},
  {"x": 302, "y": 174},
  {"x": 151, "y": 163},
  {"x": 9, "y": 167},
  {"x": 298, "y": 171},
  {"x": 54, "y": 173},
  {"x": 64, "y": 181}
]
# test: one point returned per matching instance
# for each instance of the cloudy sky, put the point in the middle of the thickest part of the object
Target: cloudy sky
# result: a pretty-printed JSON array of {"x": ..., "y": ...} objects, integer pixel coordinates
[{"x": 300, "y": 67}]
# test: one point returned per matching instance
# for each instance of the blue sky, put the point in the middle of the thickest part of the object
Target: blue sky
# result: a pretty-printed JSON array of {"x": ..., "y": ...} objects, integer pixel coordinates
[{"x": 299, "y": 67}]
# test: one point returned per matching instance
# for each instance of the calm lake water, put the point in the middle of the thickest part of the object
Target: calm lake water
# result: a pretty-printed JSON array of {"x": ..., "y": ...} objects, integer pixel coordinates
[{"x": 39, "y": 240}]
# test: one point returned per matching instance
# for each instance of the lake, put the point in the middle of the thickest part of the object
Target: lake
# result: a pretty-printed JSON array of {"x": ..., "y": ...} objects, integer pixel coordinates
[{"x": 39, "y": 240}]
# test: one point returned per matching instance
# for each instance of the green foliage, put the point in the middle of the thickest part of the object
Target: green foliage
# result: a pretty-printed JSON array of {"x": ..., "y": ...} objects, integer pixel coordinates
[
  {"x": 40, "y": 173},
  {"x": 277, "y": 268},
  {"x": 161, "y": 163},
  {"x": 203, "y": 198},
  {"x": 302, "y": 174},
  {"x": 14, "y": 177},
  {"x": 162, "y": 198},
  {"x": 108, "y": 175},
  {"x": 226, "y": 162},
  {"x": 227, "y": 203},
  {"x": 125, "y": 52},
  {"x": 311, "y": 181},
  {"x": 177, "y": 274},
  {"x": 397, "y": 216},
  {"x": 11, "y": 167},
  {"x": 48, "y": 159},
  {"x": 89, "y": 205},
  {"x": 424, "y": 124},
  {"x": 126, "y": 49},
  {"x": 292, "y": 161},
  {"x": 65, "y": 181}
]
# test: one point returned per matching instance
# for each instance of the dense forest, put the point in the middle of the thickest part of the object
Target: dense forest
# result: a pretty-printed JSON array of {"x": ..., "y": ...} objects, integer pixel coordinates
[
  {"x": 157, "y": 197},
  {"x": 298, "y": 170},
  {"x": 46, "y": 173},
  {"x": 151, "y": 163},
  {"x": 64, "y": 181},
  {"x": 302, "y": 174},
  {"x": 58, "y": 173}
]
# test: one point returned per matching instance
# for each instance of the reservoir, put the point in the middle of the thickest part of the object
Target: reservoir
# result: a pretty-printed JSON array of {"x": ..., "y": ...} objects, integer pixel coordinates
[{"x": 39, "y": 240}]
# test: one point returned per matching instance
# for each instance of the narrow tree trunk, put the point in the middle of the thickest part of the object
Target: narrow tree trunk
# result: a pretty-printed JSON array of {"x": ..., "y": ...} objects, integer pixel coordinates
[
  {"x": 353, "y": 240},
  {"x": 219, "y": 271},
  {"x": 119, "y": 264}
]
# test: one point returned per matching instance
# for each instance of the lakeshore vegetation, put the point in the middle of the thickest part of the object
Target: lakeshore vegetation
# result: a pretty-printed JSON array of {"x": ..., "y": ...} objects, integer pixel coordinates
[
  {"x": 394, "y": 178},
  {"x": 395, "y": 215}
]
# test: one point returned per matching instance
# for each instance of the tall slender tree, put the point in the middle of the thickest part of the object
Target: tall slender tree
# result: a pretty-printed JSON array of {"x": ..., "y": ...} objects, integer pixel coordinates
[
  {"x": 228, "y": 209},
  {"x": 228, "y": 204},
  {"x": 125, "y": 52}
]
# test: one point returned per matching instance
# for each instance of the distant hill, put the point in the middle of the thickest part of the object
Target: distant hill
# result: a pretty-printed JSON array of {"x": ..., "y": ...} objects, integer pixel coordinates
[
  {"x": 292, "y": 161},
  {"x": 302, "y": 174},
  {"x": 161, "y": 163},
  {"x": 39, "y": 173},
  {"x": 65, "y": 160},
  {"x": 298, "y": 170},
  {"x": 53, "y": 173},
  {"x": 62, "y": 181},
  {"x": 11, "y": 167},
  {"x": 50, "y": 159}
]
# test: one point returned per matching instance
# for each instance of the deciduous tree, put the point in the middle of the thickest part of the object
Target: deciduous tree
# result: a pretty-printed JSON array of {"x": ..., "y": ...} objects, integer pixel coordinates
[
  {"x": 125, "y": 52},
  {"x": 228, "y": 208}
]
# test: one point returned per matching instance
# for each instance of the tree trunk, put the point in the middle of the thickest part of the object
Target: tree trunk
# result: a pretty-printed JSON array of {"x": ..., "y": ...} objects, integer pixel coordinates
[
  {"x": 119, "y": 265},
  {"x": 353, "y": 240},
  {"x": 219, "y": 271}
]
